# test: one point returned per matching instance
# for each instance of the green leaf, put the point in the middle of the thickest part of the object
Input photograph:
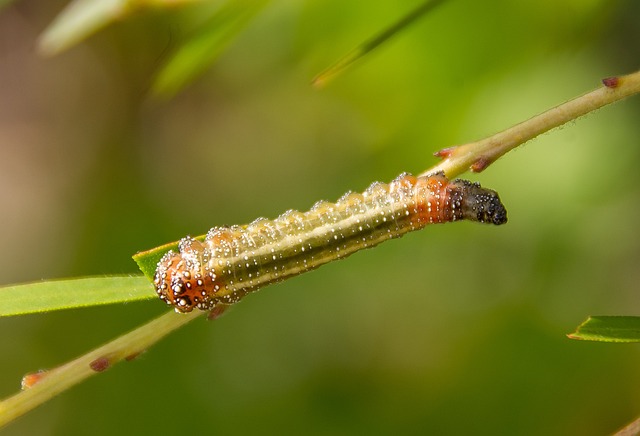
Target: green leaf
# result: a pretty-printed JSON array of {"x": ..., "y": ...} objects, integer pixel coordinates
[
  {"x": 609, "y": 329},
  {"x": 148, "y": 260},
  {"x": 368, "y": 46},
  {"x": 202, "y": 49},
  {"x": 72, "y": 293}
]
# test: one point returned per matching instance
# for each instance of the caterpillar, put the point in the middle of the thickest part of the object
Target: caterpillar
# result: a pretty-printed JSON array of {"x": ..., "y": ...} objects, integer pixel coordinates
[{"x": 234, "y": 261}]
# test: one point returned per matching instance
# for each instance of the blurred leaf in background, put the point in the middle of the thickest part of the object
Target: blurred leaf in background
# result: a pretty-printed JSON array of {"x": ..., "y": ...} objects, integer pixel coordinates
[
  {"x": 201, "y": 49},
  {"x": 82, "y": 18},
  {"x": 460, "y": 320}
]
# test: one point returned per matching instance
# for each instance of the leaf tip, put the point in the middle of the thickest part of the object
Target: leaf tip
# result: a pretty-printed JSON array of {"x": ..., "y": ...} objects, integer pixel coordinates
[{"x": 318, "y": 82}]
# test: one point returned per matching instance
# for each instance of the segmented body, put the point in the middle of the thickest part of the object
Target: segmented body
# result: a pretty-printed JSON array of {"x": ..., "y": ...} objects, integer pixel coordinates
[{"x": 233, "y": 261}]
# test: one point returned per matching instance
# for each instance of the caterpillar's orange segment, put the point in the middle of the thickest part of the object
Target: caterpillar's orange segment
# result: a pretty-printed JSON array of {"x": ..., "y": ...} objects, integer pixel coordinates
[
  {"x": 233, "y": 261},
  {"x": 184, "y": 280}
]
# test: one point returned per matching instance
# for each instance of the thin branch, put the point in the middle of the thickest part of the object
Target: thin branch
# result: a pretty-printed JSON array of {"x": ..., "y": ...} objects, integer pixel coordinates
[
  {"x": 49, "y": 384},
  {"x": 456, "y": 160},
  {"x": 477, "y": 156},
  {"x": 632, "y": 429}
]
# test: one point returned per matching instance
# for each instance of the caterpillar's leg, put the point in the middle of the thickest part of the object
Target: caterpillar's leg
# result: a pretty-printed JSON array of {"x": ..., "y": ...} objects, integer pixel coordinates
[{"x": 217, "y": 311}]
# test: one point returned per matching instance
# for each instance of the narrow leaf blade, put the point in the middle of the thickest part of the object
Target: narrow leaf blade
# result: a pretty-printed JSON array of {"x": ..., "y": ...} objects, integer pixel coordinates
[
  {"x": 609, "y": 329},
  {"x": 197, "y": 54},
  {"x": 148, "y": 260},
  {"x": 72, "y": 293},
  {"x": 368, "y": 46}
]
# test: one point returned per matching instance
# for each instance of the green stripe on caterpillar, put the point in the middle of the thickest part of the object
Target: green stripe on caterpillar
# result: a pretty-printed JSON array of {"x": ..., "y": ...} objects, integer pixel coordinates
[{"x": 233, "y": 261}]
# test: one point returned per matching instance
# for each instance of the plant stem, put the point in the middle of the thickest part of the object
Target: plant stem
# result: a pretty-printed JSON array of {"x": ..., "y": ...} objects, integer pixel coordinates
[
  {"x": 63, "y": 377},
  {"x": 632, "y": 429},
  {"x": 480, "y": 154},
  {"x": 476, "y": 156}
]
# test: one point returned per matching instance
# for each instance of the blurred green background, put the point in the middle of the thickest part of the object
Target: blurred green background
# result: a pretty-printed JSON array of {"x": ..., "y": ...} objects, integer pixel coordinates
[{"x": 458, "y": 329}]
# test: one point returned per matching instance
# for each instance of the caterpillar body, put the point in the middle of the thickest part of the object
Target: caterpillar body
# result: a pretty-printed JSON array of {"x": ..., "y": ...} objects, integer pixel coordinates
[{"x": 234, "y": 261}]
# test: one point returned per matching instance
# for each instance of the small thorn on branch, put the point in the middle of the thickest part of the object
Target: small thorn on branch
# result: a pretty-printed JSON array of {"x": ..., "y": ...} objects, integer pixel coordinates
[
  {"x": 133, "y": 356},
  {"x": 480, "y": 165},
  {"x": 31, "y": 379},
  {"x": 611, "y": 82},
  {"x": 444, "y": 153}
]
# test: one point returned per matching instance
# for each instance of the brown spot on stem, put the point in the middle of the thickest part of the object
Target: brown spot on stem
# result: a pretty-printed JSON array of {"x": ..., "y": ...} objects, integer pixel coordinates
[
  {"x": 480, "y": 165},
  {"x": 100, "y": 364},
  {"x": 31, "y": 379},
  {"x": 611, "y": 82}
]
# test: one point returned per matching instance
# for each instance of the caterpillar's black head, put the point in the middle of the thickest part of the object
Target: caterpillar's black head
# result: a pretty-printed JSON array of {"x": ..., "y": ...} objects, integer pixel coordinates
[{"x": 480, "y": 204}]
